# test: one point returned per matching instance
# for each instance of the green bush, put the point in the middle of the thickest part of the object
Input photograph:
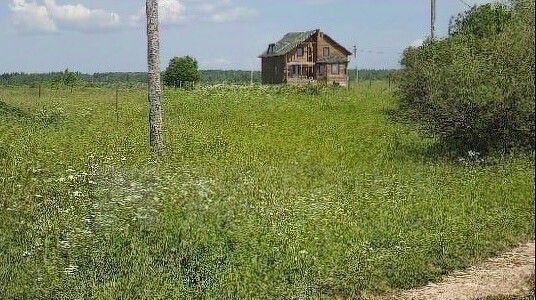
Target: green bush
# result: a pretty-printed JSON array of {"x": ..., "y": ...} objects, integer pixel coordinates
[
  {"x": 182, "y": 69},
  {"x": 475, "y": 88}
]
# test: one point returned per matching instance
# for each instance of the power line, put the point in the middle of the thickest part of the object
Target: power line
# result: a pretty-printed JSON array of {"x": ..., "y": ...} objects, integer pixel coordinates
[{"x": 380, "y": 52}]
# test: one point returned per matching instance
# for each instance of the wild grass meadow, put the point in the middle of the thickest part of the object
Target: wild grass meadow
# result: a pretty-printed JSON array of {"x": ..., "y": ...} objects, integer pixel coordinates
[{"x": 263, "y": 193}]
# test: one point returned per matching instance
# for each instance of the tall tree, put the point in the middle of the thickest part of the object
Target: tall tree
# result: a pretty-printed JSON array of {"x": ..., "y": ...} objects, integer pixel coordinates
[{"x": 153, "y": 60}]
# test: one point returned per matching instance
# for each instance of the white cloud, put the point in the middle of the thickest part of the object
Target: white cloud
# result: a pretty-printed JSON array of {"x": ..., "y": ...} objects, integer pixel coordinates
[
  {"x": 233, "y": 14},
  {"x": 181, "y": 12},
  {"x": 82, "y": 18},
  {"x": 51, "y": 17},
  {"x": 31, "y": 17},
  {"x": 47, "y": 16},
  {"x": 171, "y": 12}
]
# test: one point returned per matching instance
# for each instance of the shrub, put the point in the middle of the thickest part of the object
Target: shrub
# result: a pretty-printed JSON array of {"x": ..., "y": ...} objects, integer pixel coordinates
[
  {"x": 183, "y": 69},
  {"x": 475, "y": 88}
]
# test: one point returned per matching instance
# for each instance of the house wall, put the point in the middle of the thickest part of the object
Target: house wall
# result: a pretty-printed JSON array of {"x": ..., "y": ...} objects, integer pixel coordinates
[
  {"x": 309, "y": 52},
  {"x": 273, "y": 70},
  {"x": 322, "y": 42},
  {"x": 334, "y": 51},
  {"x": 341, "y": 78}
]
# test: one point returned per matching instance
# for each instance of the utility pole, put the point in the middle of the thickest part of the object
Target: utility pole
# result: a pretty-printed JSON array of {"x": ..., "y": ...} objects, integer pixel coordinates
[
  {"x": 356, "y": 67},
  {"x": 432, "y": 19}
]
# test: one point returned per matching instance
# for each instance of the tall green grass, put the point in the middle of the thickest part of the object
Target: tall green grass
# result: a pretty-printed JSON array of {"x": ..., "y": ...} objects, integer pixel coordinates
[{"x": 263, "y": 193}]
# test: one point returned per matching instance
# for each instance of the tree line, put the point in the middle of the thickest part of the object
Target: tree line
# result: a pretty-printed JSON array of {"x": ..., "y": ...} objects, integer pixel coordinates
[{"x": 208, "y": 77}]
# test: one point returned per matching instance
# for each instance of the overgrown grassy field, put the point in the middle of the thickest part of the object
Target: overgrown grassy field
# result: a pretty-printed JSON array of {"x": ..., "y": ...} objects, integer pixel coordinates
[{"x": 264, "y": 193}]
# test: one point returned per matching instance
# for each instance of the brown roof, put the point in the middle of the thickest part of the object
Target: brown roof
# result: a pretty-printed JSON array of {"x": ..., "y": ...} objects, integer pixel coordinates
[{"x": 291, "y": 40}]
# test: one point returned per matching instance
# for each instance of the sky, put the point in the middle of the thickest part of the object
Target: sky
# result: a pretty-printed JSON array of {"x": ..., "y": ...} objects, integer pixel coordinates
[{"x": 109, "y": 35}]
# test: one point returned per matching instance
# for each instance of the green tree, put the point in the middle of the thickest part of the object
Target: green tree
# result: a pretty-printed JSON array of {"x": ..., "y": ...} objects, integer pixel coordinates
[
  {"x": 482, "y": 21},
  {"x": 69, "y": 78},
  {"x": 474, "y": 90},
  {"x": 183, "y": 69}
]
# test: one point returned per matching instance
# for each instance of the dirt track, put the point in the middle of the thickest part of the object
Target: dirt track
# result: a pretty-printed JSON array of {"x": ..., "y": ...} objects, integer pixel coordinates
[{"x": 507, "y": 274}]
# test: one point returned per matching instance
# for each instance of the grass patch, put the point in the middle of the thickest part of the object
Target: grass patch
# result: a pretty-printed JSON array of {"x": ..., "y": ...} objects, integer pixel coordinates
[{"x": 264, "y": 193}]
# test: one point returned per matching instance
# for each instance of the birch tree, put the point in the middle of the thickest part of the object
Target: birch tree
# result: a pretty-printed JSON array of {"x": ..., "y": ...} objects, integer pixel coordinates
[{"x": 154, "y": 88}]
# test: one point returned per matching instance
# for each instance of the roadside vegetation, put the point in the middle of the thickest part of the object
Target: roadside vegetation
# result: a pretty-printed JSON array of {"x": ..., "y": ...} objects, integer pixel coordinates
[
  {"x": 263, "y": 193},
  {"x": 475, "y": 89}
]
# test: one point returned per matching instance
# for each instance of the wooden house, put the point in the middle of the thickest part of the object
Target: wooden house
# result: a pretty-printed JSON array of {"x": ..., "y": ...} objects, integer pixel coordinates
[{"x": 303, "y": 57}]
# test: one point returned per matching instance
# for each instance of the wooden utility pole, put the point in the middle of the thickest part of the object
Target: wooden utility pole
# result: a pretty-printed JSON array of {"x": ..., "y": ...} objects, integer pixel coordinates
[
  {"x": 356, "y": 67},
  {"x": 154, "y": 85},
  {"x": 251, "y": 77},
  {"x": 432, "y": 19}
]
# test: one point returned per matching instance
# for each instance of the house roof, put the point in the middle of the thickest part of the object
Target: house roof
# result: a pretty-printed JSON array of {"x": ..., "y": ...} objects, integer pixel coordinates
[{"x": 291, "y": 40}]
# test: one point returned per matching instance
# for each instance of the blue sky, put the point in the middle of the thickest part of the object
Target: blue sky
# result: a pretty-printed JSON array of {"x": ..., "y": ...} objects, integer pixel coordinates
[{"x": 103, "y": 35}]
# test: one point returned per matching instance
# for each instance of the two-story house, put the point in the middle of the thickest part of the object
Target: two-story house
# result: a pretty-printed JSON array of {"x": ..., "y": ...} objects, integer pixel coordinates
[{"x": 302, "y": 57}]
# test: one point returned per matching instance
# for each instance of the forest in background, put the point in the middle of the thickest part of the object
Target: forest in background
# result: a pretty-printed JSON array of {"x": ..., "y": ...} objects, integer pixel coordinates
[{"x": 208, "y": 77}]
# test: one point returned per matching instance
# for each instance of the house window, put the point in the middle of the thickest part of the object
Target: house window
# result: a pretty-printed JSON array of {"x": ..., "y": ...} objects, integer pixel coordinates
[
  {"x": 299, "y": 52},
  {"x": 271, "y": 48},
  {"x": 342, "y": 68},
  {"x": 326, "y": 51},
  {"x": 322, "y": 70},
  {"x": 335, "y": 69}
]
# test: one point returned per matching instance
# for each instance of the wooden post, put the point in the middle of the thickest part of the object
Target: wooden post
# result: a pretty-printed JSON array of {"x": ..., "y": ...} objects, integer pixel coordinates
[
  {"x": 116, "y": 104},
  {"x": 389, "y": 82},
  {"x": 39, "y": 90},
  {"x": 356, "y": 66},
  {"x": 370, "y": 83},
  {"x": 180, "y": 84}
]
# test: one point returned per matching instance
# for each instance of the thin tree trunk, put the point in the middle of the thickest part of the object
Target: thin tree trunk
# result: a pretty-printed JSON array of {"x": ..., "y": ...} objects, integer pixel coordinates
[{"x": 153, "y": 60}]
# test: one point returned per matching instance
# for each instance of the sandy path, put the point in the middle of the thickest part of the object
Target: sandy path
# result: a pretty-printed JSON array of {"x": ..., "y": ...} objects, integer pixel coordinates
[{"x": 507, "y": 274}]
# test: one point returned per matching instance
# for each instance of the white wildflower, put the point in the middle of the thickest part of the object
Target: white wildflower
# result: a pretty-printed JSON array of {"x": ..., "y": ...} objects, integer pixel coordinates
[
  {"x": 71, "y": 270},
  {"x": 65, "y": 244}
]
